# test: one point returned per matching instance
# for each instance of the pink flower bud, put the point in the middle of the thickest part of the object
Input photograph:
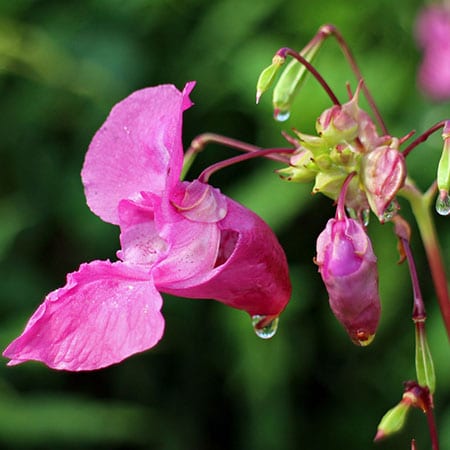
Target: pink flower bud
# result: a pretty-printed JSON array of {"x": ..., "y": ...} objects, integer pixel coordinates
[
  {"x": 348, "y": 268},
  {"x": 383, "y": 174},
  {"x": 336, "y": 125}
]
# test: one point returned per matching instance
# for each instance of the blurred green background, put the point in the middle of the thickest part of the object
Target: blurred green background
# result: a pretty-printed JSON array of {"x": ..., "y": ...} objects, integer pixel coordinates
[{"x": 211, "y": 384}]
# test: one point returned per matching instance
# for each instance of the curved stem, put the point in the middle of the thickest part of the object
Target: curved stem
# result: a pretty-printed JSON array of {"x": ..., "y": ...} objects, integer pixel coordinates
[
  {"x": 204, "y": 176},
  {"x": 283, "y": 52},
  {"x": 329, "y": 29},
  {"x": 423, "y": 137},
  {"x": 199, "y": 143},
  {"x": 421, "y": 207}
]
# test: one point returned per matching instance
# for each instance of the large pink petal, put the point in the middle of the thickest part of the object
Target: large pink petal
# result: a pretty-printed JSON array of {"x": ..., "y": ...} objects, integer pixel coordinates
[
  {"x": 192, "y": 246},
  {"x": 138, "y": 148},
  {"x": 251, "y": 270},
  {"x": 139, "y": 237},
  {"x": 105, "y": 313}
]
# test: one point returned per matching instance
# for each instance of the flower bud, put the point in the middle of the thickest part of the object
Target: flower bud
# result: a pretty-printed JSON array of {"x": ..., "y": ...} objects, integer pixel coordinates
[
  {"x": 424, "y": 362},
  {"x": 393, "y": 420},
  {"x": 348, "y": 268},
  {"x": 383, "y": 172},
  {"x": 301, "y": 168},
  {"x": 267, "y": 76},
  {"x": 290, "y": 82},
  {"x": 443, "y": 174},
  {"x": 336, "y": 125}
]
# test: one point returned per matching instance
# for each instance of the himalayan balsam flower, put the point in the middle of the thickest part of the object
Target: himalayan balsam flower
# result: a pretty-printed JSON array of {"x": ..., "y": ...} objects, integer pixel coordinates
[
  {"x": 182, "y": 238},
  {"x": 433, "y": 36},
  {"x": 348, "y": 268}
]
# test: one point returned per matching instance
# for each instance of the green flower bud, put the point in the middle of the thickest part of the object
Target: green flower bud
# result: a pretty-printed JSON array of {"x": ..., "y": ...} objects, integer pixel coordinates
[
  {"x": 329, "y": 183},
  {"x": 424, "y": 361},
  {"x": 336, "y": 125},
  {"x": 267, "y": 76},
  {"x": 302, "y": 169},
  {"x": 443, "y": 174},
  {"x": 290, "y": 82},
  {"x": 393, "y": 420}
]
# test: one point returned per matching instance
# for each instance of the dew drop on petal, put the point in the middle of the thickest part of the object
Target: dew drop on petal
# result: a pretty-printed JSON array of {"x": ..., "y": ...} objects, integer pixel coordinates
[
  {"x": 390, "y": 212},
  {"x": 267, "y": 331},
  {"x": 443, "y": 203},
  {"x": 281, "y": 116}
]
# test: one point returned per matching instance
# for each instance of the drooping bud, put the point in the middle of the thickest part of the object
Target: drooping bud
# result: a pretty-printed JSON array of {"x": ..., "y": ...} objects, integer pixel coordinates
[
  {"x": 348, "y": 268},
  {"x": 414, "y": 396},
  {"x": 290, "y": 82},
  {"x": 383, "y": 173},
  {"x": 267, "y": 76},
  {"x": 393, "y": 420},
  {"x": 443, "y": 174}
]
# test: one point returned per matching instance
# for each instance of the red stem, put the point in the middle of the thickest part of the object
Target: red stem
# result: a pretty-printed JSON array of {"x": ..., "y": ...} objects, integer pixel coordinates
[
  {"x": 328, "y": 30},
  {"x": 283, "y": 52},
  {"x": 423, "y": 137},
  {"x": 204, "y": 176}
]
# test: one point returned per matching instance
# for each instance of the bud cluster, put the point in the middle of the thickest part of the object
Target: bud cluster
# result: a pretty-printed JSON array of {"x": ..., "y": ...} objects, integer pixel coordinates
[{"x": 347, "y": 141}]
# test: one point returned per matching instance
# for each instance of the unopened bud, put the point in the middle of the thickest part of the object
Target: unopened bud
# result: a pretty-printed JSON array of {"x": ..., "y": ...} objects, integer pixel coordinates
[
  {"x": 348, "y": 268},
  {"x": 424, "y": 362},
  {"x": 393, "y": 420},
  {"x": 443, "y": 174},
  {"x": 336, "y": 125},
  {"x": 290, "y": 82},
  {"x": 301, "y": 168},
  {"x": 267, "y": 76},
  {"x": 383, "y": 173}
]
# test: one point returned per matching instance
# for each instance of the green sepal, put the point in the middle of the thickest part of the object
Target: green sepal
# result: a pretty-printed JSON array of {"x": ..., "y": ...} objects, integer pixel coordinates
[
  {"x": 302, "y": 168},
  {"x": 329, "y": 183}
]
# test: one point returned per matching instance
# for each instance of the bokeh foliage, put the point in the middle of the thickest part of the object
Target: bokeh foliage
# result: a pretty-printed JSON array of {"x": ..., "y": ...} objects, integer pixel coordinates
[{"x": 211, "y": 384}]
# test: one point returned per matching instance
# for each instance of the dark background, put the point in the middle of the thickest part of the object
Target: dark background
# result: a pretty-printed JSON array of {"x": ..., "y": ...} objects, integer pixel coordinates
[{"x": 210, "y": 384}]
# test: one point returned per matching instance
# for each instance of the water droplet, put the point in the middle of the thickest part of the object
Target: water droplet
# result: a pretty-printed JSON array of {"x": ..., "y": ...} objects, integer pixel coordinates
[
  {"x": 363, "y": 338},
  {"x": 268, "y": 329},
  {"x": 443, "y": 203},
  {"x": 389, "y": 212},
  {"x": 365, "y": 216},
  {"x": 281, "y": 116},
  {"x": 352, "y": 213}
]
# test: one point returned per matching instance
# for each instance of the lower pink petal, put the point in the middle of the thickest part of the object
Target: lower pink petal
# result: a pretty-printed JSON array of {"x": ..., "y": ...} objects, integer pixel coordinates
[
  {"x": 105, "y": 313},
  {"x": 251, "y": 271}
]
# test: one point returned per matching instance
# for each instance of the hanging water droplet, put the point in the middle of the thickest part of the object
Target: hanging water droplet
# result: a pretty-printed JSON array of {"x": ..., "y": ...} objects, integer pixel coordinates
[
  {"x": 363, "y": 338},
  {"x": 443, "y": 203},
  {"x": 268, "y": 330},
  {"x": 389, "y": 212},
  {"x": 281, "y": 116},
  {"x": 365, "y": 216}
]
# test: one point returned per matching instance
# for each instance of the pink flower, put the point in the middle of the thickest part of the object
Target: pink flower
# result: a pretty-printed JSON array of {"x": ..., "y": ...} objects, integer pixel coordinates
[
  {"x": 348, "y": 268},
  {"x": 182, "y": 238},
  {"x": 433, "y": 35}
]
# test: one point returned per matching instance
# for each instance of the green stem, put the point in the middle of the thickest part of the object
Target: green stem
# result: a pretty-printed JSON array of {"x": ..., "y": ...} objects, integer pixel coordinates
[{"x": 421, "y": 207}]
